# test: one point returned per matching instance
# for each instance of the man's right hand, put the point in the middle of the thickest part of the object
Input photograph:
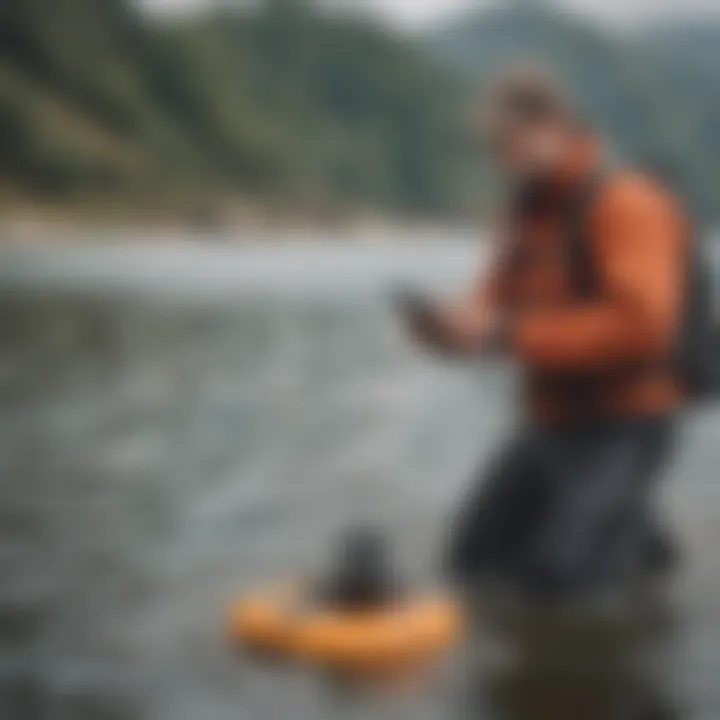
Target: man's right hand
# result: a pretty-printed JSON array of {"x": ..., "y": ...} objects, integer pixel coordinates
[{"x": 453, "y": 329}]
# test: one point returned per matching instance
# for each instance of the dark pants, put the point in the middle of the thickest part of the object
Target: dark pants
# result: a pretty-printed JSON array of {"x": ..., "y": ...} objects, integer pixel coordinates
[{"x": 561, "y": 512}]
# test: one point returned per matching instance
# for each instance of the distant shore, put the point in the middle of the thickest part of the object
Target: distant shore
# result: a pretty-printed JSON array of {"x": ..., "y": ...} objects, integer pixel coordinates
[{"x": 57, "y": 225}]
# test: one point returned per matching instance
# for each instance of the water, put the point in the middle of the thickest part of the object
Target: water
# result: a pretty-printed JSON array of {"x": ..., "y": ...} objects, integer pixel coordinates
[{"x": 180, "y": 424}]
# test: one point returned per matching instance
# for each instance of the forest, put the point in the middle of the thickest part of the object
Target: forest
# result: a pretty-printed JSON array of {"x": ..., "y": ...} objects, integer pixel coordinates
[{"x": 289, "y": 107}]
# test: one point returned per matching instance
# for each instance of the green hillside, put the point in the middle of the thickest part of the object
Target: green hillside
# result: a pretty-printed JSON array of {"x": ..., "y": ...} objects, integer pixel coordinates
[
  {"x": 693, "y": 44},
  {"x": 282, "y": 105},
  {"x": 291, "y": 109}
]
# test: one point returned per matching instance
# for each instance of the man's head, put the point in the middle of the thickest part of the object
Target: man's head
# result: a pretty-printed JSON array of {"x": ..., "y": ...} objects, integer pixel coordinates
[{"x": 529, "y": 123}]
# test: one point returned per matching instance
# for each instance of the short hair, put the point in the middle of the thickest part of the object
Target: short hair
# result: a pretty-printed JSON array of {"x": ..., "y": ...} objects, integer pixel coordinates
[{"x": 524, "y": 96}]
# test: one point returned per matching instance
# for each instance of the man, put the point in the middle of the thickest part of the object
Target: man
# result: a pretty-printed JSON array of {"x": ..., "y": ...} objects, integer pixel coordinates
[{"x": 587, "y": 295}]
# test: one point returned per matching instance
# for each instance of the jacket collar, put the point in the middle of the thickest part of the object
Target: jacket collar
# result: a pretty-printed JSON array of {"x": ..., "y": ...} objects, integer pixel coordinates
[{"x": 583, "y": 158}]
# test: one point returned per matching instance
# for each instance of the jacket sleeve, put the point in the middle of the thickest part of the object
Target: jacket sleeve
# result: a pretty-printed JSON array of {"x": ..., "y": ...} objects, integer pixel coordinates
[{"x": 640, "y": 240}]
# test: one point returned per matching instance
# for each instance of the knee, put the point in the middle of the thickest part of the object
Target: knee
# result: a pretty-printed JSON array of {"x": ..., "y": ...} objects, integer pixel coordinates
[
  {"x": 558, "y": 578},
  {"x": 468, "y": 553}
]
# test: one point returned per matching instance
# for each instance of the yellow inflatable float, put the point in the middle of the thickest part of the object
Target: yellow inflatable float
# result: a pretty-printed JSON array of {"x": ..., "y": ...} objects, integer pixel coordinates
[{"x": 360, "y": 623}]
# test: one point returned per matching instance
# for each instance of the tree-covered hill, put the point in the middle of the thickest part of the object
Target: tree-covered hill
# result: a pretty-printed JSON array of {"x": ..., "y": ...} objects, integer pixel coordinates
[
  {"x": 693, "y": 44},
  {"x": 289, "y": 107},
  {"x": 282, "y": 103}
]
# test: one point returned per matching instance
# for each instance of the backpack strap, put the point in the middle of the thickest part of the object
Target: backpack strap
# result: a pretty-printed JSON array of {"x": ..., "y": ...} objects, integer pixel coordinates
[{"x": 580, "y": 254}]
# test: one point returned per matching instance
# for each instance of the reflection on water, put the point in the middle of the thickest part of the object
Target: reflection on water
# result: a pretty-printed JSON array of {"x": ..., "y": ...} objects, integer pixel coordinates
[
  {"x": 600, "y": 667},
  {"x": 203, "y": 425}
]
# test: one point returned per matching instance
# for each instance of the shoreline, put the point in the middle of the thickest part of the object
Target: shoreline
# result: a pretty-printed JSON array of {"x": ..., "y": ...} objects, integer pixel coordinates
[{"x": 31, "y": 231}]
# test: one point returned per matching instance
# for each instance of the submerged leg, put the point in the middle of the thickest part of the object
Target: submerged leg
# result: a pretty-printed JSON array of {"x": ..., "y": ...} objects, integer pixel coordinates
[
  {"x": 495, "y": 520},
  {"x": 595, "y": 528}
]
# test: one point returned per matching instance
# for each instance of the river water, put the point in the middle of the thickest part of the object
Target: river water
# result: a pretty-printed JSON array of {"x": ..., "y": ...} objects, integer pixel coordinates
[{"x": 182, "y": 423}]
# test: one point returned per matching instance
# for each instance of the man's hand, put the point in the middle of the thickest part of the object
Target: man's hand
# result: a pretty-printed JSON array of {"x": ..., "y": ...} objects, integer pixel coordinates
[{"x": 461, "y": 328}]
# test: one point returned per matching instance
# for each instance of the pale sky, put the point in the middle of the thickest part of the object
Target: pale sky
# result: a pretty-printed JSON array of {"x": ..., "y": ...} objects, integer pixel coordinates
[{"x": 411, "y": 13}]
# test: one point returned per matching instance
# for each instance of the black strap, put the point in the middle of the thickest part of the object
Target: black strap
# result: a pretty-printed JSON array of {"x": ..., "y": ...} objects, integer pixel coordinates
[
  {"x": 582, "y": 266},
  {"x": 585, "y": 390},
  {"x": 580, "y": 250}
]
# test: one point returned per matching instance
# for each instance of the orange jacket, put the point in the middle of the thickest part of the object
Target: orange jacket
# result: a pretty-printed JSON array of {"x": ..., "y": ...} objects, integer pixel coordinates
[{"x": 639, "y": 242}]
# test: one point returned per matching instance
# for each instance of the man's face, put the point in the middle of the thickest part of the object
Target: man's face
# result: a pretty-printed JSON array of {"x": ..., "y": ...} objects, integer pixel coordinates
[{"x": 532, "y": 151}]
